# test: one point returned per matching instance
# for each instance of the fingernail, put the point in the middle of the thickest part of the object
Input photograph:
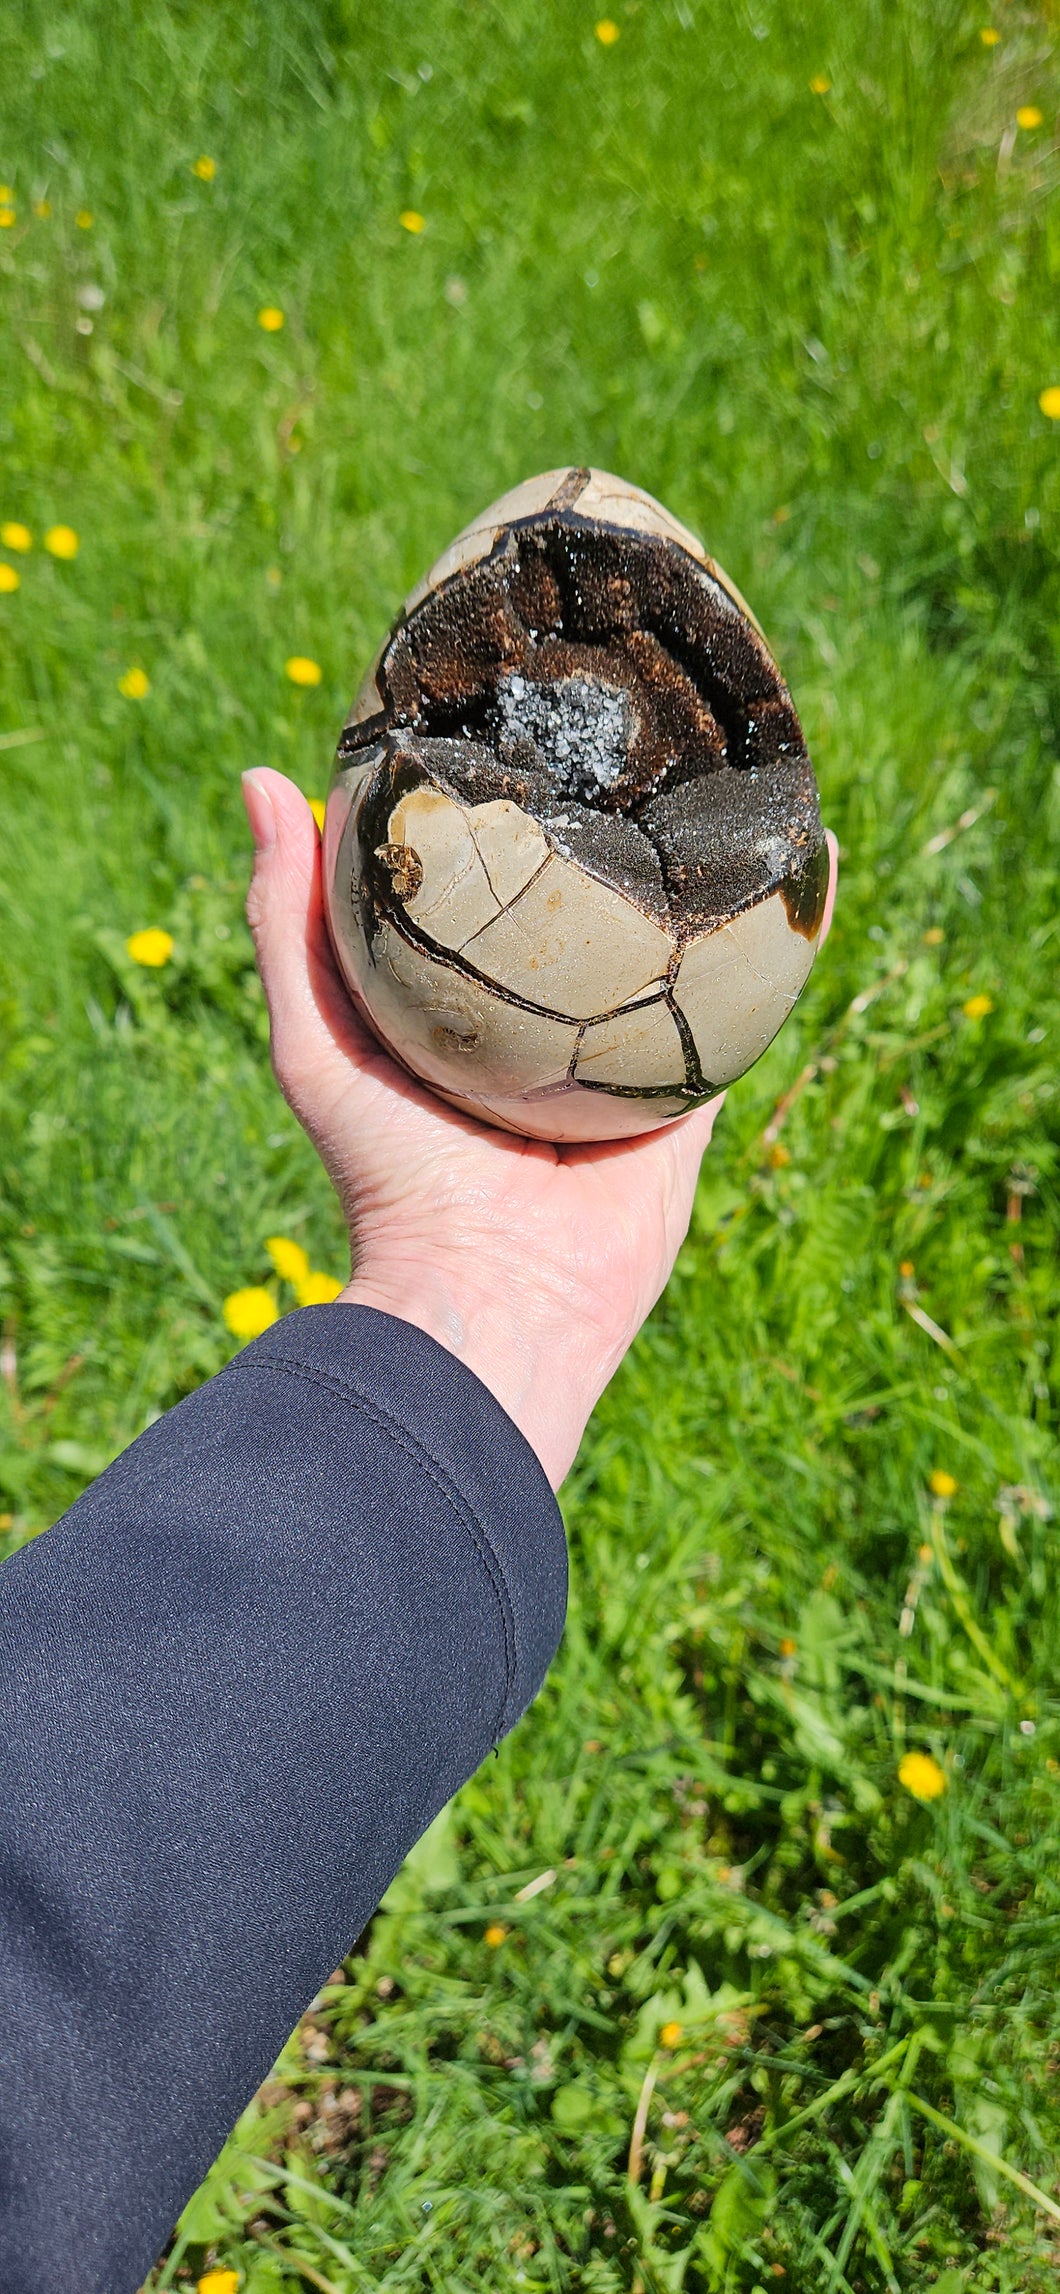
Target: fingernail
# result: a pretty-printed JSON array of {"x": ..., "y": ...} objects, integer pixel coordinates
[{"x": 260, "y": 812}]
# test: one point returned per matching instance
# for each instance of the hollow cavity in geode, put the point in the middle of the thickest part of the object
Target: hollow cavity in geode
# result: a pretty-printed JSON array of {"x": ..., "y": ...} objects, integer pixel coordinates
[{"x": 608, "y": 685}]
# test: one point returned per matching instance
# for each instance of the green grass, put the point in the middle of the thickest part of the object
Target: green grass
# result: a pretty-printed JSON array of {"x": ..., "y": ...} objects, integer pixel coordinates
[{"x": 818, "y": 325}]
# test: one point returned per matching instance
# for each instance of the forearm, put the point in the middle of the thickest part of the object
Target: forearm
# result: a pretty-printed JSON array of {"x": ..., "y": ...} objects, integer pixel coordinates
[
  {"x": 237, "y": 1681},
  {"x": 534, "y": 1351}
]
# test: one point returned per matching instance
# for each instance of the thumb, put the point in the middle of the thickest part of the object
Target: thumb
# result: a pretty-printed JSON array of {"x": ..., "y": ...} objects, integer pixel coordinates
[{"x": 285, "y": 914}]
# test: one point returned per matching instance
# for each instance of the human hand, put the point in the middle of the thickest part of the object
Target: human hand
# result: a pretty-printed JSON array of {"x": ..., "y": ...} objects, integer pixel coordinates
[{"x": 534, "y": 1264}]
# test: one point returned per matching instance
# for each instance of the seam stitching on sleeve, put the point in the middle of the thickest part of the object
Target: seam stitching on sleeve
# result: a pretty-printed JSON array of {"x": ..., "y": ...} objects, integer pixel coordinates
[{"x": 475, "y": 1528}]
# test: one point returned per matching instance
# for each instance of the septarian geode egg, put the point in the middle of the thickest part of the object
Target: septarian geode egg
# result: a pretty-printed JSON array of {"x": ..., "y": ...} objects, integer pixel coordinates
[{"x": 574, "y": 864}]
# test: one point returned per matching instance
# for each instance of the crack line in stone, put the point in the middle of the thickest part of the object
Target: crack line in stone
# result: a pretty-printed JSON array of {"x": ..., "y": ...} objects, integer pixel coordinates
[{"x": 453, "y": 960}]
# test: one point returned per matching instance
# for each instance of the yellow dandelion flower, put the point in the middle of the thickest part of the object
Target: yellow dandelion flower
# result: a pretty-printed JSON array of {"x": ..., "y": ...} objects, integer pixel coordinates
[
  {"x": 15, "y": 537},
  {"x": 671, "y": 2034},
  {"x": 84, "y": 219},
  {"x": 907, "y": 1270},
  {"x": 288, "y": 1258},
  {"x": 607, "y": 32},
  {"x": 318, "y": 1289},
  {"x": 819, "y": 85},
  {"x": 135, "y": 684},
  {"x": 302, "y": 671},
  {"x": 921, "y": 1775},
  {"x": 779, "y": 1156},
  {"x": 6, "y": 193},
  {"x": 1028, "y": 115},
  {"x": 942, "y": 1484},
  {"x": 788, "y": 1646},
  {"x": 1049, "y": 401},
  {"x": 204, "y": 168},
  {"x": 43, "y": 208},
  {"x": 411, "y": 220},
  {"x": 494, "y": 1935},
  {"x": 152, "y": 948},
  {"x": 62, "y": 542},
  {"x": 7, "y": 217},
  {"x": 271, "y": 318},
  {"x": 248, "y": 1312},
  {"x": 989, "y": 36},
  {"x": 977, "y": 1007},
  {"x": 218, "y": 2282},
  {"x": 934, "y": 936},
  {"x": 318, "y": 808},
  {"x": 10, "y": 580}
]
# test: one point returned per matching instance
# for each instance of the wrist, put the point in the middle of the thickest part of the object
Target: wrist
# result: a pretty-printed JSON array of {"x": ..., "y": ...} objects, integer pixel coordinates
[{"x": 534, "y": 1353}]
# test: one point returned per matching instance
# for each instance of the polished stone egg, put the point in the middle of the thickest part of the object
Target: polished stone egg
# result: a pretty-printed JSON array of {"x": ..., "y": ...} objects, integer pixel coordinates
[{"x": 574, "y": 866}]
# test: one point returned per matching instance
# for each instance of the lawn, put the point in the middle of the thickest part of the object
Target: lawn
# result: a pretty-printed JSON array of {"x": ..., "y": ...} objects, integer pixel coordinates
[{"x": 688, "y": 1988}]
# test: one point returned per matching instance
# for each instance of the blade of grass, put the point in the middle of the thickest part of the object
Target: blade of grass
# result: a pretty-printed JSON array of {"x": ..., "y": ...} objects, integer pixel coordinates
[{"x": 992, "y": 2159}]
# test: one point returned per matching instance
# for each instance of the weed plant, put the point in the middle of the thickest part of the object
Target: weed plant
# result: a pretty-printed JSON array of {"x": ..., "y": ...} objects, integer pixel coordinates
[{"x": 688, "y": 1988}]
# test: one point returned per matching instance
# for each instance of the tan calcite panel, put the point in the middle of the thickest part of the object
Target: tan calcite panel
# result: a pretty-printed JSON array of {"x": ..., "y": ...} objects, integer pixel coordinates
[
  {"x": 639, "y": 1050},
  {"x": 512, "y": 845},
  {"x": 525, "y": 500},
  {"x": 572, "y": 944},
  {"x": 736, "y": 987},
  {"x": 572, "y": 1117},
  {"x": 615, "y": 502},
  {"x": 475, "y": 541},
  {"x": 475, "y": 859},
  {"x": 451, "y": 1030},
  {"x": 455, "y": 896}
]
